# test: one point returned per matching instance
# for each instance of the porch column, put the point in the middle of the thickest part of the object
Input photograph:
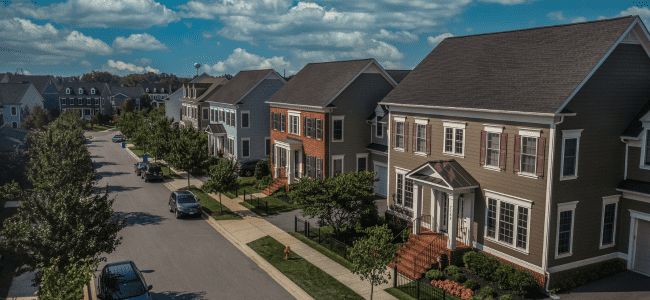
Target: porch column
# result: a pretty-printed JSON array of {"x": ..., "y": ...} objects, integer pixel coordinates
[
  {"x": 289, "y": 168},
  {"x": 452, "y": 221},
  {"x": 434, "y": 218},
  {"x": 302, "y": 165},
  {"x": 417, "y": 208},
  {"x": 276, "y": 161}
]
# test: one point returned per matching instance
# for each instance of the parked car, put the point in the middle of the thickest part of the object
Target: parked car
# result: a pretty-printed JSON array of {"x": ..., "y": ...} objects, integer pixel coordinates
[
  {"x": 152, "y": 172},
  {"x": 139, "y": 166},
  {"x": 246, "y": 168},
  {"x": 122, "y": 280},
  {"x": 118, "y": 138},
  {"x": 184, "y": 203}
]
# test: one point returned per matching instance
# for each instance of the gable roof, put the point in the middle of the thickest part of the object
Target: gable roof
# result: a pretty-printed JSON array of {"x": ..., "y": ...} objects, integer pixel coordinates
[
  {"x": 221, "y": 80},
  {"x": 450, "y": 174},
  {"x": 157, "y": 86},
  {"x": 13, "y": 93},
  {"x": 529, "y": 70},
  {"x": 240, "y": 85},
  {"x": 39, "y": 81},
  {"x": 201, "y": 77},
  {"x": 636, "y": 126},
  {"x": 398, "y": 75},
  {"x": 15, "y": 133},
  {"x": 209, "y": 89},
  {"x": 131, "y": 92},
  {"x": 318, "y": 83},
  {"x": 86, "y": 86},
  {"x": 217, "y": 129}
]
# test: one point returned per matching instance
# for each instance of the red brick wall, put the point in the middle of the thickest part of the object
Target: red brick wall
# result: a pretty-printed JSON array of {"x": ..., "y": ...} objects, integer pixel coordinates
[{"x": 311, "y": 146}]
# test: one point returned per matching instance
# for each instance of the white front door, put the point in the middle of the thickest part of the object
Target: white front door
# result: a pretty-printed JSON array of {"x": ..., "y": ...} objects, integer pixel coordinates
[
  {"x": 444, "y": 211},
  {"x": 642, "y": 247}
]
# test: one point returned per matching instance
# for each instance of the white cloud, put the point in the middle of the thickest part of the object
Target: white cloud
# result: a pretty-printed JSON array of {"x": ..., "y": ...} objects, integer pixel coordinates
[
  {"x": 143, "y": 61},
  {"x": 401, "y": 36},
  {"x": 556, "y": 15},
  {"x": 207, "y": 35},
  {"x": 602, "y": 17},
  {"x": 437, "y": 39},
  {"x": 86, "y": 63},
  {"x": 578, "y": 20},
  {"x": 469, "y": 29},
  {"x": 642, "y": 12},
  {"x": 188, "y": 24},
  {"x": 27, "y": 72},
  {"x": 240, "y": 59},
  {"x": 507, "y": 2},
  {"x": 122, "y": 67},
  {"x": 142, "y": 41},
  {"x": 76, "y": 40}
]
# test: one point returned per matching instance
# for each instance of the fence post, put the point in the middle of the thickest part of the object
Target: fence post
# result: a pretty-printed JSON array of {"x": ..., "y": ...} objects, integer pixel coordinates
[
  {"x": 295, "y": 221},
  {"x": 266, "y": 202},
  {"x": 244, "y": 195},
  {"x": 395, "y": 276},
  {"x": 307, "y": 228}
]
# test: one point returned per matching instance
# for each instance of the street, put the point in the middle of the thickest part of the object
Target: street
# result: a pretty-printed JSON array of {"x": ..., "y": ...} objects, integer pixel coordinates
[{"x": 182, "y": 258}]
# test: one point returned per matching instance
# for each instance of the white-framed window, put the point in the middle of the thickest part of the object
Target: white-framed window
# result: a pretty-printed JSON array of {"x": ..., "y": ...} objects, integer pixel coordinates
[
  {"x": 399, "y": 132},
  {"x": 14, "y": 111},
  {"x": 154, "y": 90},
  {"x": 507, "y": 220},
  {"x": 81, "y": 91},
  {"x": 337, "y": 164},
  {"x": 404, "y": 193},
  {"x": 294, "y": 122},
  {"x": 608, "y": 222},
  {"x": 421, "y": 136},
  {"x": 63, "y": 101},
  {"x": 185, "y": 92},
  {"x": 492, "y": 146},
  {"x": 92, "y": 91},
  {"x": 528, "y": 152},
  {"x": 362, "y": 162},
  {"x": 337, "y": 128},
  {"x": 319, "y": 129},
  {"x": 245, "y": 147},
  {"x": 231, "y": 145},
  {"x": 379, "y": 127},
  {"x": 267, "y": 143},
  {"x": 570, "y": 151},
  {"x": 162, "y": 90},
  {"x": 67, "y": 91},
  {"x": 645, "y": 157},
  {"x": 245, "y": 119},
  {"x": 564, "y": 233},
  {"x": 96, "y": 101},
  {"x": 454, "y": 138},
  {"x": 147, "y": 90},
  {"x": 233, "y": 118}
]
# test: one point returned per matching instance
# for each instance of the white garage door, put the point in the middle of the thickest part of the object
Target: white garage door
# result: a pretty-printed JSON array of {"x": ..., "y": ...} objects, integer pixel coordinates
[
  {"x": 642, "y": 251},
  {"x": 382, "y": 184}
]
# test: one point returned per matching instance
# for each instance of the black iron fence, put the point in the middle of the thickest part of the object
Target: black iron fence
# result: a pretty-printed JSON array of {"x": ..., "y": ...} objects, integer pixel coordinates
[
  {"x": 258, "y": 203},
  {"x": 326, "y": 240},
  {"x": 419, "y": 289}
]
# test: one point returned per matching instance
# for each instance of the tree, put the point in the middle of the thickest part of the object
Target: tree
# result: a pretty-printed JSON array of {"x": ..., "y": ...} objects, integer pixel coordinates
[
  {"x": 128, "y": 105},
  {"x": 338, "y": 201},
  {"x": 227, "y": 76},
  {"x": 129, "y": 123},
  {"x": 223, "y": 177},
  {"x": 96, "y": 76},
  {"x": 189, "y": 152},
  {"x": 67, "y": 284},
  {"x": 145, "y": 102},
  {"x": 94, "y": 120},
  {"x": 37, "y": 118},
  {"x": 160, "y": 140},
  {"x": 371, "y": 254}
]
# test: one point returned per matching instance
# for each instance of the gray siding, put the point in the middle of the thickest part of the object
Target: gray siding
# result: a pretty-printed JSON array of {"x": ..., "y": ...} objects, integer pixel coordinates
[
  {"x": 173, "y": 105},
  {"x": 633, "y": 162}
]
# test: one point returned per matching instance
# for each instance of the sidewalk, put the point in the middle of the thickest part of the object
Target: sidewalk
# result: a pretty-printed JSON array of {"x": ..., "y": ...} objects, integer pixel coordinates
[{"x": 253, "y": 227}]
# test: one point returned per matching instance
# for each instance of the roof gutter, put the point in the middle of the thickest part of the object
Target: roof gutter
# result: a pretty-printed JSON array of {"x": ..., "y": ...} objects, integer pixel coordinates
[{"x": 477, "y": 109}]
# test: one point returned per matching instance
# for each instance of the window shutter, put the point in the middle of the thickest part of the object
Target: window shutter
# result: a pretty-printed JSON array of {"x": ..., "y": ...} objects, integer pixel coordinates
[
  {"x": 311, "y": 124},
  {"x": 429, "y": 139},
  {"x": 304, "y": 126},
  {"x": 415, "y": 136},
  {"x": 392, "y": 129},
  {"x": 481, "y": 160},
  {"x": 503, "y": 146},
  {"x": 541, "y": 146},
  {"x": 272, "y": 119},
  {"x": 304, "y": 164},
  {"x": 406, "y": 136},
  {"x": 515, "y": 167}
]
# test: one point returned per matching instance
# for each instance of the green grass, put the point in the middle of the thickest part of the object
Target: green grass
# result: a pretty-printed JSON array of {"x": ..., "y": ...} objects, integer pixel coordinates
[
  {"x": 211, "y": 205},
  {"x": 308, "y": 277},
  {"x": 244, "y": 185},
  {"x": 100, "y": 128},
  {"x": 137, "y": 151},
  {"x": 327, "y": 252},
  {"x": 167, "y": 172},
  {"x": 399, "y": 294},
  {"x": 276, "y": 206}
]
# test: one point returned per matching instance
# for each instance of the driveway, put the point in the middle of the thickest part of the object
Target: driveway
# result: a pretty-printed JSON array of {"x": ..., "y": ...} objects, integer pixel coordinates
[
  {"x": 182, "y": 258},
  {"x": 625, "y": 285}
]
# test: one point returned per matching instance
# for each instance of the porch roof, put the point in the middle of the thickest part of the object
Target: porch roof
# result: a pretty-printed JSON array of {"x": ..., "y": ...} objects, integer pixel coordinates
[
  {"x": 635, "y": 186},
  {"x": 445, "y": 173},
  {"x": 378, "y": 147},
  {"x": 290, "y": 141},
  {"x": 216, "y": 129}
]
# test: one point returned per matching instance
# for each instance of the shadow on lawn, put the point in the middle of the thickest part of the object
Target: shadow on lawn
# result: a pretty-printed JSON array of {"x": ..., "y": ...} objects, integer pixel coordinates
[{"x": 179, "y": 296}]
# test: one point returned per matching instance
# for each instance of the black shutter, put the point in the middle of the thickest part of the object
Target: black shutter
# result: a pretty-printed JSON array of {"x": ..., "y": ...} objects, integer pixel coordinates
[{"x": 304, "y": 126}]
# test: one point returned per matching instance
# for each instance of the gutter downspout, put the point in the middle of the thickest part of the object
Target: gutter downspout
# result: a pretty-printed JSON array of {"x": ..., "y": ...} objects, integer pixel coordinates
[{"x": 549, "y": 193}]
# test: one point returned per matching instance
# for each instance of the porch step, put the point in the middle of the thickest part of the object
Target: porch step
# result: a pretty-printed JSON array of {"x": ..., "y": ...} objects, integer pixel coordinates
[
  {"x": 406, "y": 261},
  {"x": 277, "y": 182}
]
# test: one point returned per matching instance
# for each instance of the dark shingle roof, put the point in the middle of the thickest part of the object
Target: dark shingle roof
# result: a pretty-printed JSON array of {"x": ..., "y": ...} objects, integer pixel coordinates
[
  {"x": 17, "y": 133},
  {"x": 12, "y": 93},
  {"x": 317, "y": 83},
  {"x": 10, "y": 138},
  {"x": 636, "y": 127},
  {"x": 632, "y": 185},
  {"x": 157, "y": 86},
  {"x": 530, "y": 70},
  {"x": 398, "y": 75},
  {"x": 131, "y": 92},
  {"x": 238, "y": 86},
  {"x": 39, "y": 81},
  {"x": 452, "y": 173},
  {"x": 86, "y": 86},
  {"x": 216, "y": 129}
]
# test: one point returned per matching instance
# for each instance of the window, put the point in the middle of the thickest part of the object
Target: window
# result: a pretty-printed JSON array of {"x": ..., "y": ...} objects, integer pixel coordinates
[
  {"x": 205, "y": 114},
  {"x": 308, "y": 166},
  {"x": 528, "y": 154},
  {"x": 147, "y": 90},
  {"x": 67, "y": 91},
  {"x": 379, "y": 128},
  {"x": 294, "y": 122},
  {"x": 232, "y": 119},
  {"x": 231, "y": 145},
  {"x": 570, "y": 146},
  {"x": 92, "y": 91},
  {"x": 14, "y": 111},
  {"x": 362, "y": 162},
  {"x": 14, "y": 124},
  {"x": 245, "y": 147},
  {"x": 319, "y": 129},
  {"x": 319, "y": 168},
  {"x": 565, "y": 220},
  {"x": 337, "y": 128},
  {"x": 64, "y": 101},
  {"x": 608, "y": 227},
  {"x": 337, "y": 164},
  {"x": 309, "y": 127},
  {"x": 421, "y": 138},
  {"x": 507, "y": 220},
  {"x": 274, "y": 121},
  {"x": 81, "y": 91},
  {"x": 404, "y": 196},
  {"x": 96, "y": 101},
  {"x": 244, "y": 119},
  {"x": 283, "y": 157},
  {"x": 492, "y": 149},
  {"x": 283, "y": 122},
  {"x": 268, "y": 146},
  {"x": 228, "y": 118},
  {"x": 454, "y": 138},
  {"x": 399, "y": 135},
  {"x": 162, "y": 90},
  {"x": 154, "y": 90}
]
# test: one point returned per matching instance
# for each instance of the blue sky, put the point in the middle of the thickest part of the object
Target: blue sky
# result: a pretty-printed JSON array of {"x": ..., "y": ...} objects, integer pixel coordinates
[{"x": 72, "y": 37}]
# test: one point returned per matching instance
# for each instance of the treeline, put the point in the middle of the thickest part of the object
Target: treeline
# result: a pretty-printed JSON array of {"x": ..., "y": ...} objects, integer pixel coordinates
[{"x": 135, "y": 79}]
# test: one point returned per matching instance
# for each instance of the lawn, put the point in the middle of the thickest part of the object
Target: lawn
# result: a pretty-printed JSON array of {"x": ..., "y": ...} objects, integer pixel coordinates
[
  {"x": 308, "y": 277},
  {"x": 397, "y": 293},
  {"x": 167, "y": 172},
  {"x": 137, "y": 151},
  {"x": 327, "y": 252},
  {"x": 275, "y": 206},
  {"x": 100, "y": 128},
  {"x": 212, "y": 206},
  {"x": 244, "y": 186}
]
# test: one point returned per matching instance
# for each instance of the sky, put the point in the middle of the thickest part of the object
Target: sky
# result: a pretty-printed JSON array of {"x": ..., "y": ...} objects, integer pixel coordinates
[{"x": 72, "y": 37}]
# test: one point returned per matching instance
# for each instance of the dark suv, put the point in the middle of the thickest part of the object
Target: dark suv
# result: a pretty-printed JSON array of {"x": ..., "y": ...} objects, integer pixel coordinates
[
  {"x": 246, "y": 168},
  {"x": 152, "y": 172},
  {"x": 122, "y": 280},
  {"x": 139, "y": 166},
  {"x": 184, "y": 203}
]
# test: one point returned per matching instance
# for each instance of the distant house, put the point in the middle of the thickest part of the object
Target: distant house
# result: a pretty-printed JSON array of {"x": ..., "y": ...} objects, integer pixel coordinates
[
  {"x": 12, "y": 140},
  {"x": 121, "y": 93},
  {"x": 158, "y": 92},
  {"x": 46, "y": 85},
  {"x": 173, "y": 104},
  {"x": 5, "y": 77},
  {"x": 194, "y": 111},
  {"x": 16, "y": 100},
  {"x": 86, "y": 97}
]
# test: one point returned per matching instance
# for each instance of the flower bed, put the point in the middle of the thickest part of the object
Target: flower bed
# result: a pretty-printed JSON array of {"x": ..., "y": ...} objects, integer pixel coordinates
[{"x": 453, "y": 288}]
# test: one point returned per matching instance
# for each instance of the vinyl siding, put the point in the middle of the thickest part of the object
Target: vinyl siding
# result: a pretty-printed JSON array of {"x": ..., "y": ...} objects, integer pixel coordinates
[
  {"x": 633, "y": 162},
  {"x": 173, "y": 105},
  {"x": 623, "y": 227}
]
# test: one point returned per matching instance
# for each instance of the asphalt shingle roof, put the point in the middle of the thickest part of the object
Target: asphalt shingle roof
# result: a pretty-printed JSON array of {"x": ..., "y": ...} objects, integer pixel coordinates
[
  {"x": 12, "y": 93},
  {"x": 238, "y": 86},
  {"x": 39, "y": 81},
  {"x": 398, "y": 75},
  {"x": 131, "y": 92},
  {"x": 530, "y": 70},
  {"x": 86, "y": 86}
]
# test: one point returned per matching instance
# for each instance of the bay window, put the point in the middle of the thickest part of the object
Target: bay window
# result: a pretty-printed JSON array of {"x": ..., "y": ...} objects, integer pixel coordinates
[{"x": 507, "y": 220}]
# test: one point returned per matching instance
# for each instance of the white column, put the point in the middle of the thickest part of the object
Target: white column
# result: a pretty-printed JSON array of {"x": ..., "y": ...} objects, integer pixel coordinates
[
  {"x": 302, "y": 165},
  {"x": 290, "y": 164},
  {"x": 417, "y": 211},
  {"x": 452, "y": 223},
  {"x": 277, "y": 161},
  {"x": 469, "y": 204},
  {"x": 434, "y": 218}
]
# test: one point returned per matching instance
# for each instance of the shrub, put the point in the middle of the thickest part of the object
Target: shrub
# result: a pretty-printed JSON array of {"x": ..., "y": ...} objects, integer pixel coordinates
[
  {"x": 454, "y": 288},
  {"x": 281, "y": 191},
  {"x": 451, "y": 270},
  {"x": 406, "y": 234},
  {"x": 263, "y": 182},
  {"x": 521, "y": 282},
  {"x": 475, "y": 298},
  {"x": 458, "y": 277},
  {"x": 261, "y": 170},
  {"x": 502, "y": 276},
  {"x": 488, "y": 266},
  {"x": 486, "y": 292},
  {"x": 471, "y": 284},
  {"x": 506, "y": 297},
  {"x": 435, "y": 275},
  {"x": 469, "y": 259}
]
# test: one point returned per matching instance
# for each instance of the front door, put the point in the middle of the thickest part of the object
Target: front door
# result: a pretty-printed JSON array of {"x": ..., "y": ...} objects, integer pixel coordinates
[
  {"x": 444, "y": 209},
  {"x": 382, "y": 174},
  {"x": 642, "y": 247}
]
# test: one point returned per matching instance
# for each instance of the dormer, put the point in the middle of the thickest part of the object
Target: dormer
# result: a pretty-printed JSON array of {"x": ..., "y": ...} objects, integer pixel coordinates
[
  {"x": 146, "y": 91},
  {"x": 81, "y": 91},
  {"x": 162, "y": 90},
  {"x": 92, "y": 91},
  {"x": 154, "y": 90},
  {"x": 68, "y": 91},
  {"x": 644, "y": 136}
]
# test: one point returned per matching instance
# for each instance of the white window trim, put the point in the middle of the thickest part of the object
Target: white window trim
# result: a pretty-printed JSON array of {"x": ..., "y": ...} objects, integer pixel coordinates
[
  {"x": 424, "y": 122},
  {"x": 570, "y": 134},
  {"x": 455, "y": 126},
  {"x": 67, "y": 91},
  {"x": 162, "y": 90},
  {"x": 377, "y": 125},
  {"x": 249, "y": 118},
  {"x": 12, "y": 111},
  {"x": 337, "y": 157},
  {"x": 614, "y": 199},
  {"x": 527, "y": 133},
  {"x": 399, "y": 170},
  {"x": 421, "y": 121},
  {"x": 234, "y": 118},
  {"x": 399, "y": 120},
  {"x": 92, "y": 91},
  {"x": 530, "y": 132},
  {"x": 249, "y": 147},
  {"x": 315, "y": 120},
  {"x": 493, "y": 128},
  {"x": 362, "y": 155},
  {"x": 517, "y": 202},
  {"x": 147, "y": 90},
  {"x": 293, "y": 113},
  {"x": 336, "y": 118},
  {"x": 81, "y": 91},
  {"x": 642, "y": 165},
  {"x": 561, "y": 207}
]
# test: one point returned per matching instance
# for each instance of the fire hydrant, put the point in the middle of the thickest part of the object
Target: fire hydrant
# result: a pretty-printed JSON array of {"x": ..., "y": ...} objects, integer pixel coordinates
[{"x": 286, "y": 252}]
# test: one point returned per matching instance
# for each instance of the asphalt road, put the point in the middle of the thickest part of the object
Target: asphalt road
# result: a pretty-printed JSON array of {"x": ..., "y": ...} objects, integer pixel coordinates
[{"x": 182, "y": 258}]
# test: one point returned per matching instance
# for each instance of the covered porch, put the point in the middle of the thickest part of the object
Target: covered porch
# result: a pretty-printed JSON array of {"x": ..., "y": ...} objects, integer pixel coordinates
[
  {"x": 288, "y": 159},
  {"x": 216, "y": 138}
]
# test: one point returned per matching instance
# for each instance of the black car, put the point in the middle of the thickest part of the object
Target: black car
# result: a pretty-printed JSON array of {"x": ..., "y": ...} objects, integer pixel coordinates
[
  {"x": 152, "y": 172},
  {"x": 139, "y": 166},
  {"x": 246, "y": 168},
  {"x": 122, "y": 280},
  {"x": 184, "y": 203}
]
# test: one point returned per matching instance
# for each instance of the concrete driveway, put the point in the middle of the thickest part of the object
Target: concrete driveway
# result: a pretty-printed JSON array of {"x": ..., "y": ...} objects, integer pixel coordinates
[
  {"x": 625, "y": 285},
  {"x": 181, "y": 258}
]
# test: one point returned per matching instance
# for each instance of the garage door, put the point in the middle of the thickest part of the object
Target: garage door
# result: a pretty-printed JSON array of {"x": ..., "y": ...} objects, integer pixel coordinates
[
  {"x": 382, "y": 184},
  {"x": 642, "y": 251}
]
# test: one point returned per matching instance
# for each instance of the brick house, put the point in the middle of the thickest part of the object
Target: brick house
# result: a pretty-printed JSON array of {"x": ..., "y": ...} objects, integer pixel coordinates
[
  {"x": 319, "y": 119},
  {"x": 510, "y": 142}
]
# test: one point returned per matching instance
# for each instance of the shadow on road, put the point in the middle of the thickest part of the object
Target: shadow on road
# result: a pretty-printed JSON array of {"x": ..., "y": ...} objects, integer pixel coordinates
[
  {"x": 100, "y": 164},
  {"x": 118, "y": 188},
  {"x": 96, "y": 156},
  {"x": 178, "y": 296},
  {"x": 140, "y": 218},
  {"x": 101, "y": 175}
]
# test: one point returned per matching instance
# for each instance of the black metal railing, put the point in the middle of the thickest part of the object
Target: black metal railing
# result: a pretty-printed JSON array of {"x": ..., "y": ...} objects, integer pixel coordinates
[
  {"x": 258, "y": 203},
  {"x": 419, "y": 289},
  {"x": 326, "y": 240},
  {"x": 432, "y": 253}
]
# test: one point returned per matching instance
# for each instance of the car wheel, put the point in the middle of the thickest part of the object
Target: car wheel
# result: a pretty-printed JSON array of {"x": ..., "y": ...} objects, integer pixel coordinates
[
  {"x": 178, "y": 216},
  {"x": 170, "y": 208}
]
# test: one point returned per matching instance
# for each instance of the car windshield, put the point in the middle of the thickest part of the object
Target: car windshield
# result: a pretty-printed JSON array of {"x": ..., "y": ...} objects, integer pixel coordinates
[
  {"x": 121, "y": 283},
  {"x": 186, "y": 198},
  {"x": 118, "y": 136}
]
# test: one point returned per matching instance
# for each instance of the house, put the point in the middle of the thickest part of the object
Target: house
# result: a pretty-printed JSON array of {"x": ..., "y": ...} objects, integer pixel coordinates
[
  {"x": 157, "y": 92},
  {"x": 13, "y": 140},
  {"x": 89, "y": 98},
  {"x": 319, "y": 119},
  {"x": 16, "y": 100},
  {"x": 119, "y": 93},
  {"x": 5, "y": 77},
  {"x": 46, "y": 85},
  {"x": 173, "y": 104},
  {"x": 194, "y": 108},
  {"x": 510, "y": 142},
  {"x": 239, "y": 116}
]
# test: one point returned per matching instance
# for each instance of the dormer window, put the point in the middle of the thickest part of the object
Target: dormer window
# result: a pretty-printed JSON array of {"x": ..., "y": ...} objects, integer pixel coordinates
[
  {"x": 154, "y": 90},
  {"x": 162, "y": 90},
  {"x": 81, "y": 91},
  {"x": 67, "y": 91},
  {"x": 92, "y": 91}
]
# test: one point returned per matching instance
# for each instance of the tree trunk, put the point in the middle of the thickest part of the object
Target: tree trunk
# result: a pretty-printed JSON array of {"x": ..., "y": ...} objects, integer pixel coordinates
[
  {"x": 220, "y": 205},
  {"x": 372, "y": 287},
  {"x": 188, "y": 180}
]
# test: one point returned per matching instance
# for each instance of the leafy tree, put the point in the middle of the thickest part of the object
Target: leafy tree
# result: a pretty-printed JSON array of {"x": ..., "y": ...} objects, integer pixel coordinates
[
  {"x": 96, "y": 76},
  {"x": 371, "y": 254},
  {"x": 128, "y": 105},
  {"x": 223, "y": 177},
  {"x": 261, "y": 169},
  {"x": 145, "y": 102},
  {"x": 37, "y": 118},
  {"x": 67, "y": 284},
  {"x": 189, "y": 152},
  {"x": 129, "y": 123},
  {"x": 60, "y": 216},
  {"x": 228, "y": 76},
  {"x": 94, "y": 120},
  {"x": 338, "y": 201},
  {"x": 161, "y": 137}
]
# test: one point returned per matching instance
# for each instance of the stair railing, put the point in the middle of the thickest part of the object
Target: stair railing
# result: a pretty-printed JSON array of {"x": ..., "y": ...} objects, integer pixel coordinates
[{"x": 424, "y": 257}]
